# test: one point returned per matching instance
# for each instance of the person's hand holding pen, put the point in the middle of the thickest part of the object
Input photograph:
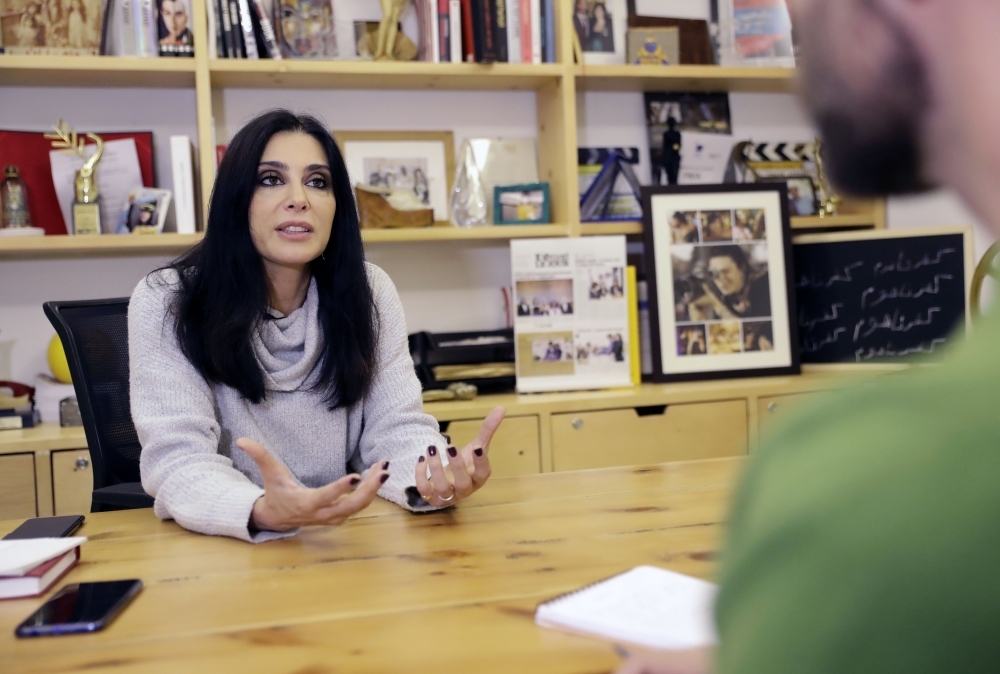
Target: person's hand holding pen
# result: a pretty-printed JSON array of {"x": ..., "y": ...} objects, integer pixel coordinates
[
  {"x": 467, "y": 469},
  {"x": 694, "y": 661}
]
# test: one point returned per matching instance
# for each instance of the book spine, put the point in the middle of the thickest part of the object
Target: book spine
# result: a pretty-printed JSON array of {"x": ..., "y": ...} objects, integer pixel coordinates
[
  {"x": 183, "y": 174},
  {"x": 225, "y": 28},
  {"x": 525, "y": 7},
  {"x": 239, "y": 51},
  {"x": 213, "y": 30},
  {"x": 443, "y": 46},
  {"x": 536, "y": 31},
  {"x": 631, "y": 299},
  {"x": 455, "y": 30},
  {"x": 107, "y": 45},
  {"x": 435, "y": 46},
  {"x": 468, "y": 34},
  {"x": 484, "y": 39},
  {"x": 126, "y": 28},
  {"x": 550, "y": 32},
  {"x": 138, "y": 34},
  {"x": 267, "y": 30},
  {"x": 246, "y": 28},
  {"x": 500, "y": 32},
  {"x": 541, "y": 22},
  {"x": 513, "y": 31},
  {"x": 149, "y": 26}
]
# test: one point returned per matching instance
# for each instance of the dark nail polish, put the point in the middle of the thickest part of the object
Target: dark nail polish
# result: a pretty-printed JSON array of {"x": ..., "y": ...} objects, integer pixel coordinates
[
  {"x": 452, "y": 452},
  {"x": 385, "y": 466},
  {"x": 479, "y": 451},
  {"x": 420, "y": 460},
  {"x": 432, "y": 450},
  {"x": 355, "y": 481},
  {"x": 383, "y": 479}
]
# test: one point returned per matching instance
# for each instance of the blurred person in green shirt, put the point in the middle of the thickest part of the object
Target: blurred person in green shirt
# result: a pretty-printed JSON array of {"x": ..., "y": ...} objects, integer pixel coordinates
[{"x": 866, "y": 536}]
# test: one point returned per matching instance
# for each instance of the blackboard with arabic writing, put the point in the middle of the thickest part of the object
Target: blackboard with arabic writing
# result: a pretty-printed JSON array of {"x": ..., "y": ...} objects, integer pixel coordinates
[{"x": 879, "y": 300}]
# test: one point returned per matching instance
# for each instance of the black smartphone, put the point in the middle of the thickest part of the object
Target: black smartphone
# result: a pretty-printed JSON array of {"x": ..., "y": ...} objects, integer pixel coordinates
[
  {"x": 81, "y": 607},
  {"x": 47, "y": 527}
]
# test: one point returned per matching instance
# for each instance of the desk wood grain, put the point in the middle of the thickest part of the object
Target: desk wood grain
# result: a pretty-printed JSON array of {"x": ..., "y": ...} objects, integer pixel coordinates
[{"x": 452, "y": 591}]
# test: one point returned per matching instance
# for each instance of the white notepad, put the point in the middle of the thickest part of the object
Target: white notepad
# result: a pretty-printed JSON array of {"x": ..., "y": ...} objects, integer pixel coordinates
[{"x": 646, "y": 606}]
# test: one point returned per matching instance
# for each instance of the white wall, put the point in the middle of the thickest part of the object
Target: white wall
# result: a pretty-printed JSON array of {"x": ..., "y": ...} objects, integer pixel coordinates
[{"x": 444, "y": 286}]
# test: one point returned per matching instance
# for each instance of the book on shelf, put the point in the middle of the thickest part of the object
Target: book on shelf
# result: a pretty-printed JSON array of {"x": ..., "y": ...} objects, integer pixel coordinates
[
  {"x": 499, "y": 8},
  {"x": 246, "y": 31},
  {"x": 455, "y": 29},
  {"x": 526, "y": 37},
  {"x": 265, "y": 30},
  {"x": 513, "y": 31},
  {"x": 550, "y": 32},
  {"x": 172, "y": 28},
  {"x": 536, "y": 32},
  {"x": 182, "y": 165},
  {"x": 443, "y": 46},
  {"x": 36, "y": 581}
]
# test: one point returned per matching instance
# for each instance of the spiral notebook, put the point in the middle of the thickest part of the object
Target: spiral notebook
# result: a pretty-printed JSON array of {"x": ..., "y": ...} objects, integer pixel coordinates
[{"x": 645, "y": 606}]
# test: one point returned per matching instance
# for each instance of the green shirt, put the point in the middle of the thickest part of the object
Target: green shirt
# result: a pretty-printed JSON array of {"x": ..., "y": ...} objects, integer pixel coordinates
[{"x": 866, "y": 536}]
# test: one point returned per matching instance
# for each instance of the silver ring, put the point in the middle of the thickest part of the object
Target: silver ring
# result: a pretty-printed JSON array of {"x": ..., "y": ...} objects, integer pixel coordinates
[{"x": 450, "y": 497}]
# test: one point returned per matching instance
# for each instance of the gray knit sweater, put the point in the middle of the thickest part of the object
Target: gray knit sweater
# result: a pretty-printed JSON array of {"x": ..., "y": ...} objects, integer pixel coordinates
[{"x": 188, "y": 427}]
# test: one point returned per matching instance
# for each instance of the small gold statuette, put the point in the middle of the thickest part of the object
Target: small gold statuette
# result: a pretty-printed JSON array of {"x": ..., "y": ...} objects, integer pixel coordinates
[
  {"x": 86, "y": 209},
  {"x": 829, "y": 201}
]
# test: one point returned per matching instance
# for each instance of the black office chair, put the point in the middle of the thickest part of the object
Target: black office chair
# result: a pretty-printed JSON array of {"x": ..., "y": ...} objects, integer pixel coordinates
[{"x": 94, "y": 334}]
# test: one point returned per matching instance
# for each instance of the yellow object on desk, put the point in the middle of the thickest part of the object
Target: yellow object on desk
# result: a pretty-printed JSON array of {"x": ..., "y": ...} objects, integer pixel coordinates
[
  {"x": 57, "y": 361},
  {"x": 378, "y": 593}
]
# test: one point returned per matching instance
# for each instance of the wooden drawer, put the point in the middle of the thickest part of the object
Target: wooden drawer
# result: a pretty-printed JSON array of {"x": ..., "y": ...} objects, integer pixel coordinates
[
  {"x": 649, "y": 435},
  {"x": 514, "y": 449},
  {"x": 72, "y": 481},
  {"x": 773, "y": 411},
  {"x": 17, "y": 486}
]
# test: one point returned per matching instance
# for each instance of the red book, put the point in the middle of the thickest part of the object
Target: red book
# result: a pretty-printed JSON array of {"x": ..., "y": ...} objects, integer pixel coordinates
[
  {"x": 39, "y": 579},
  {"x": 468, "y": 42},
  {"x": 525, "y": 30}
]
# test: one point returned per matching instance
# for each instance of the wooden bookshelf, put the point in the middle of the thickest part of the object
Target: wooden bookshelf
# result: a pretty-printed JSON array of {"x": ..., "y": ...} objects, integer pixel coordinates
[
  {"x": 850, "y": 221},
  {"x": 685, "y": 78},
  {"x": 238, "y": 73},
  {"x": 448, "y": 233},
  {"x": 105, "y": 245},
  {"x": 95, "y": 71}
]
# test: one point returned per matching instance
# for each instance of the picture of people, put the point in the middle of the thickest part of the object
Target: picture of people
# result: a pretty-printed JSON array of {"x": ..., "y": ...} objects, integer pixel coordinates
[
  {"x": 691, "y": 340},
  {"x": 724, "y": 338},
  {"x": 400, "y": 174},
  {"x": 716, "y": 226},
  {"x": 758, "y": 336},
  {"x": 144, "y": 212},
  {"x": 749, "y": 225},
  {"x": 305, "y": 28},
  {"x": 61, "y": 24},
  {"x": 597, "y": 347},
  {"x": 173, "y": 28},
  {"x": 720, "y": 282},
  {"x": 522, "y": 206},
  {"x": 801, "y": 197},
  {"x": 684, "y": 227},
  {"x": 545, "y": 298},
  {"x": 606, "y": 283},
  {"x": 593, "y": 23},
  {"x": 545, "y": 354}
]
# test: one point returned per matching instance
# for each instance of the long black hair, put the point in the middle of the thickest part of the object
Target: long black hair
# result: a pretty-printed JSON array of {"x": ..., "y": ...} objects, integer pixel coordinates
[{"x": 223, "y": 295}]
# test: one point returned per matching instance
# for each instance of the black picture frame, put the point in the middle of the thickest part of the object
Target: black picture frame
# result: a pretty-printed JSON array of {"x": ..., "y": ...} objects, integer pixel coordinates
[{"x": 743, "y": 364}]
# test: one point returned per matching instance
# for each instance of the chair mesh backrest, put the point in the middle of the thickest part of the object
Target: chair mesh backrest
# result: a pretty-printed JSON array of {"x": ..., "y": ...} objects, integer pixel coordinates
[{"x": 99, "y": 336}]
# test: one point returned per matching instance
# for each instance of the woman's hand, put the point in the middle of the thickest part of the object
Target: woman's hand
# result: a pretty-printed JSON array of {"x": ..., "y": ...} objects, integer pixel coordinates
[
  {"x": 467, "y": 470},
  {"x": 287, "y": 505}
]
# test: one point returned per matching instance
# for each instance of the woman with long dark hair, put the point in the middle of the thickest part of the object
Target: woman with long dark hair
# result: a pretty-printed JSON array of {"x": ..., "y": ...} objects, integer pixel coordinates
[{"x": 271, "y": 383}]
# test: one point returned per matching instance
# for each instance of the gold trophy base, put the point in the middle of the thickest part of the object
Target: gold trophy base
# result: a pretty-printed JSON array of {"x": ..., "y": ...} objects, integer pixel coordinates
[{"x": 86, "y": 219}]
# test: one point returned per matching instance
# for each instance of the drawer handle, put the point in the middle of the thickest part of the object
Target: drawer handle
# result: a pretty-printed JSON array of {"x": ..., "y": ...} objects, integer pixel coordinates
[
  {"x": 577, "y": 423},
  {"x": 82, "y": 463},
  {"x": 772, "y": 407},
  {"x": 651, "y": 411}
]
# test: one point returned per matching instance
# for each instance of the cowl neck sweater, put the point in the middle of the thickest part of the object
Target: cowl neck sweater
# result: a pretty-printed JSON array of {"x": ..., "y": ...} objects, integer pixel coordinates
[{"x": 288, "y": 347}]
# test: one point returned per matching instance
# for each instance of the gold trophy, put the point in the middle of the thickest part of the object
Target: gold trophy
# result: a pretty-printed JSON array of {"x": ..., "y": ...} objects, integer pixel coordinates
[
  {"x": 86, "y": 210},
  {"x": 829, "y": 200}
]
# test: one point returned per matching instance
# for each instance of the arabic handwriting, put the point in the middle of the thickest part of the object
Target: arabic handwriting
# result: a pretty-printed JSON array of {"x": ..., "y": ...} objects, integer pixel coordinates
[
  {"x": 903, "y": 292},
  {"x": 870, "y": 353},
  {"x": 815, "y": 280},
  {"x": 813, "y": 345},
  {"x": 895, "y": 323},
  {"x": 904, "y": 264},
  {"x": 811, "y": 323}
]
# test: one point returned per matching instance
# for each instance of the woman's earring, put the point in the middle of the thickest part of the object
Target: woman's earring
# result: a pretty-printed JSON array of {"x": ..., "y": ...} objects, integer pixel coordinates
[{"x": 323, "y": 256}]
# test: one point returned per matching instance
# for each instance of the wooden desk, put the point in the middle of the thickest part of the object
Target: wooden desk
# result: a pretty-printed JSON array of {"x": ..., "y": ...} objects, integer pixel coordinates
[{"x": 453, "y": 591}]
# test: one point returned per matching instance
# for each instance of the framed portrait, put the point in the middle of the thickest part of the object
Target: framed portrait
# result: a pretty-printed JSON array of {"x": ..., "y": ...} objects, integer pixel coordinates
[
  {"x": 522, "y": 204},
  {"x": 755, "y": 33},
  {"x": 721, "y": 293},
  {"x": 600, "y": 27},
  {"x": 419, "y": 161}
]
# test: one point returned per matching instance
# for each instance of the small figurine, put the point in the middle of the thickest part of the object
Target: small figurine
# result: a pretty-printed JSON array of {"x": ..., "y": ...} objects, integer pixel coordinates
[
  {"x": 388, "y": 28},
  {"x": 672, "y": 151},
  {"x": 14, "y": 198}
]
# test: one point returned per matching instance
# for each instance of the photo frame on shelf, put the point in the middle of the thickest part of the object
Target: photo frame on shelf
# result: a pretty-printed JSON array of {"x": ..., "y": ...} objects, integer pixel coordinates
[
  {"x": 421, "y": 161},
  {"x": 600, "y": 27},
  {"x": 755, "y": 33},
  {"x": 522, "y": 204},
  {"x": 54, "y": 28},
  {"x": 721, "y": 293}
]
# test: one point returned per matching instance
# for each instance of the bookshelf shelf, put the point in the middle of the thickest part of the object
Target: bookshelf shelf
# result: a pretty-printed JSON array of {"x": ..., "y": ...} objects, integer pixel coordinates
[
  {"x": 42, "y": 247},
  {"x": 850, "y": 221},
  {"x": 304, "y": 74},
  {"x": 95, "y": 71},
  {"x": 685, "y": 78},
  {"x": 449, "y": 233}
]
